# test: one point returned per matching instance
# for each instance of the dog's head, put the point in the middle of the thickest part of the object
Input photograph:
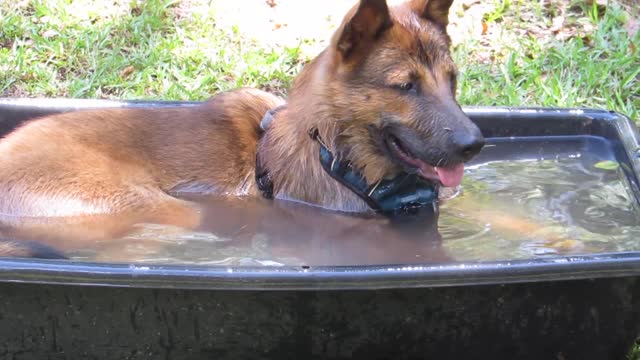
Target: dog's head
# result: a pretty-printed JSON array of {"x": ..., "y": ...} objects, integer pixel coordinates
[{"x": 390, "y": 86}]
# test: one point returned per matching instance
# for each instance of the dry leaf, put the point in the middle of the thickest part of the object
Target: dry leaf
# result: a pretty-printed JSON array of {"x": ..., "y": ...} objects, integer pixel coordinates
[
  {"x": 556, "y": 24},
  {"x": 466, "y": 4},
  {"x": 567, "y": 245},
  {"x": 27, "y": 77},
  {"x": 485, "y": 27},
  {"x": 271, "y": 3},
  {"x": 126, "y": 72}
]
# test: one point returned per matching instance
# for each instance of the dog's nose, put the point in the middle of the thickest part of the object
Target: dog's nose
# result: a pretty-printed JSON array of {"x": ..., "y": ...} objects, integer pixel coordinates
[{"x": 468, "y": 144}]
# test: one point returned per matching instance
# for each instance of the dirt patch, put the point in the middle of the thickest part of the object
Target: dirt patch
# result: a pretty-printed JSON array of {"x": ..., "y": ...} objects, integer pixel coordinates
[
  {"x": 16, "y": 92},
  {"x": 309, "y": 24},
  {"x": 283, "y": 23}
]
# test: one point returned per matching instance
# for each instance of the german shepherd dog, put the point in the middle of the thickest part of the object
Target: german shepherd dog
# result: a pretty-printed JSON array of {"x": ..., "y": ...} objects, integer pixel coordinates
[{"x": 380, "y": 99}]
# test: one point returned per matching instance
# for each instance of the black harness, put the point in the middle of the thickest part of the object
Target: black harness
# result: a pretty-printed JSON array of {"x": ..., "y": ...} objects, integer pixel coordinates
[{"x": 405, "y": 195}]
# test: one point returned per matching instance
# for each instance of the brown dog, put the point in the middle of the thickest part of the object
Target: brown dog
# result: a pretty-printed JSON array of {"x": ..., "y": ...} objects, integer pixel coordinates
[{"x": 382, "y": 96}]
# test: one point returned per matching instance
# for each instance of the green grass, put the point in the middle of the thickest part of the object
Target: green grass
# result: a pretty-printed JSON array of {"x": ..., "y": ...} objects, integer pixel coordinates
[
  {"x": 149, "y": 51},
  {"x": 51, "y": 49},
  {"x": 601, "y": 70},
  {"x": 635, "y": 352}
]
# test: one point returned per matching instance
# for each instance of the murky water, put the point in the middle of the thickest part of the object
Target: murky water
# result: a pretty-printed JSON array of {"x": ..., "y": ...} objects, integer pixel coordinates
[{"x": 557, "y": 197}]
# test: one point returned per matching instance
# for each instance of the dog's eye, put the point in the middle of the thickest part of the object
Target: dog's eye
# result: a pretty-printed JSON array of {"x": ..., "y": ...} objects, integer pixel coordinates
[{"x": 408, "y": 87}]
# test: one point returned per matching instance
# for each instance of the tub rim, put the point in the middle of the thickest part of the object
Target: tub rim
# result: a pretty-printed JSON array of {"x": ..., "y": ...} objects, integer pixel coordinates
[{"x": 556, "y": 268}]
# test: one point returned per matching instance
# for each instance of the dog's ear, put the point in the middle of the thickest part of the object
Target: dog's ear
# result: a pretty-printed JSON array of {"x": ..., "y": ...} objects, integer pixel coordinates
[
  {"x": 436, "y": 11},
  {"x": 362, "y": 27}
]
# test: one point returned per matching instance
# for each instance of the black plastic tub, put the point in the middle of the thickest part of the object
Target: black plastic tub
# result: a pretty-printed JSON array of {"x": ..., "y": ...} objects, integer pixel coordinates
[{"x": 584, "y": 306}]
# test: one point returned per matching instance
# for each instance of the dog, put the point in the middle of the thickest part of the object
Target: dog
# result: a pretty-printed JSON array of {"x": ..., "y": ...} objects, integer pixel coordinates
[{"x": 378, "y": 103}]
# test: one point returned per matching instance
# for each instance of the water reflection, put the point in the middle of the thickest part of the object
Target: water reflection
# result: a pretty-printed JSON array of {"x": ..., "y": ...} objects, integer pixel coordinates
[
  {"x": 257, "y": 231},
  {"x": 556, "y": 200}
]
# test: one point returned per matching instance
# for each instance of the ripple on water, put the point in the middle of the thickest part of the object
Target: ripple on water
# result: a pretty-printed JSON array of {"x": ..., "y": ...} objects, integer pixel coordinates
[
  {"x": 555, "y": 207},
  {"x": 577, "y": 209}
]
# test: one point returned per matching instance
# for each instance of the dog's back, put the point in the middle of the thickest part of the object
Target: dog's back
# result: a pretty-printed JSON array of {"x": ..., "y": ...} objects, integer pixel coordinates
[{"x": 93, "y": 174}]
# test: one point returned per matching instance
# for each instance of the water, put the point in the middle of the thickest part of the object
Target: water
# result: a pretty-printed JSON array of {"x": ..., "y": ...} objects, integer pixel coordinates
[{"x": 556, "y": 197}]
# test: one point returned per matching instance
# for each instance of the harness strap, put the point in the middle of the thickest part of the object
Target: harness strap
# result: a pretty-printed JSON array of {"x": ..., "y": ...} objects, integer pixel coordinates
[
  {"x": 268, "y": 117},
  {"x": 405, "y": 195},
  {"x": 263, "y": 178}
]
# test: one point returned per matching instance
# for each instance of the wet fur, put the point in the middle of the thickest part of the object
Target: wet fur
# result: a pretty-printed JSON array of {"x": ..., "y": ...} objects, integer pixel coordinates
[
  {"x": 72, "y": 179},
  {"x": 348, "y": 100}
]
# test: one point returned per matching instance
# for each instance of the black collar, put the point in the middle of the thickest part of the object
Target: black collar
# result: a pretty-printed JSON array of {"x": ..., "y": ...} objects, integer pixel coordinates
[
  {"x": 263, "y": 178},
  {"x": 406, "y": 194}
]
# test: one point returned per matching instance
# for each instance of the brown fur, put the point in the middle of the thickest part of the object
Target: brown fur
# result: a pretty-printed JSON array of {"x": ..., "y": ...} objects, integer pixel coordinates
[
  {"x": 344, "y": 97},
  {"x": 88, "y": 176}
]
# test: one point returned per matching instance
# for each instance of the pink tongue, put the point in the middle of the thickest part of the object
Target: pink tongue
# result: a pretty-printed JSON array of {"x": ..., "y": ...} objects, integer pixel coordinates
[{"x": 452, "y": 176}]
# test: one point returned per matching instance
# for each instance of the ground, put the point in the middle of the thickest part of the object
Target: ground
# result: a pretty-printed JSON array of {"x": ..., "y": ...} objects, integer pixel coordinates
[{"x": 568, "y": 53}]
